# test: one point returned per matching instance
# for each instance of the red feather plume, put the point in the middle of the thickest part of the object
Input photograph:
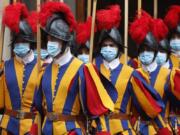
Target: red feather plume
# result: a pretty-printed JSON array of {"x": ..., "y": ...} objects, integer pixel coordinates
[
  {"x": 83, "y": 31},
  {"x": 159, "y": 29},
  {"x": 108, "y": 18},
  {"x": 172, "y": 17},
  {"x": 33, "y": 20},
  {"x": 49, "y": 8},
  {"x": 13, "y": 14},
  {"x": 140, "y": 27}
]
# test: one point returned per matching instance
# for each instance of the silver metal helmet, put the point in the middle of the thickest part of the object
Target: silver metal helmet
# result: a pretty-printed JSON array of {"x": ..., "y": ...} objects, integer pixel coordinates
[{"x": 57, "y": 27}]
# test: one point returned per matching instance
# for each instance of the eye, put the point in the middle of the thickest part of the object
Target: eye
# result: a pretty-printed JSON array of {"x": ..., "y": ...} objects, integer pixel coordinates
[
  {"x": 111, "y": 45},
  {"x": 104, "y": 45}
]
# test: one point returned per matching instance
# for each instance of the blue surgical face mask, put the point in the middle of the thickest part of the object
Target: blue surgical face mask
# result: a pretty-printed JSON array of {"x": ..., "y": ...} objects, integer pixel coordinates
[
  {"x": 146, "y": 57},
  {"x": 161, "y": 58},
  {"x": 109, "y": 53},
  {"x": 44, "y": 54},
  {"x": 21, "y": 49},
  {"x": 84, "y": 58},
  {"x": 175, "y": 44},
  {"x": 53, "y": 48}
]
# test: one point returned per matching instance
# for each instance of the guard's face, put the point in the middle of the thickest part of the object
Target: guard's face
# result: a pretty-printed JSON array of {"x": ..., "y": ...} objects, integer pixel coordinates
[
  {"x": 20, "y": 40},
  {"x": 175, "y": 43},
  {"x": 109, "y": 50}
]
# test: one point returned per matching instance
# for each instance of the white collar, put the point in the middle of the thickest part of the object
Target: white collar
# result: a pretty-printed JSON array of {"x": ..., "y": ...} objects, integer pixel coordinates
[
  {"x": 167, "y": 64},
  {"x": 27, "y": 59},
  {"x": 65, "y": 58},
  {"x": 111, "y": 65},
  {"x": 48, "y": 60},
  {"x": 151, "y": 67}
]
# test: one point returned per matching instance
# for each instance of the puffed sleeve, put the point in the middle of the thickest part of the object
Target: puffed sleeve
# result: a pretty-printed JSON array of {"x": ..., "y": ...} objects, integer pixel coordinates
[
  {"x": 148, "y": 102},
  {"x": 97, "y": 99}
]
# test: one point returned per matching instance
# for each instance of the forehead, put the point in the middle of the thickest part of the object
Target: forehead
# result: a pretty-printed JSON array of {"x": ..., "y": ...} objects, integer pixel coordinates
[
  {"x": 108, "y": 41},
  {"x": 176, "y": 36},
  {"x": 20, "y": 40},
  {"x": 83, "y": 50},
  {"x": 51, "y": 38}
]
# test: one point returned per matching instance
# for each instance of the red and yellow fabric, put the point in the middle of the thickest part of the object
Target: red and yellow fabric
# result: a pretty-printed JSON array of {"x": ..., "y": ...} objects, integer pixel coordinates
[
  {"x": 175, "y": 85},
  {"x": 92, "y": 78},
  {"x": 136, "y": 63},
  {"x": 14, "y": 97},
  {"x": 175, "y": 99},
  {"x": 159, "y": 75},
  {"x": 148, "y": 104},
  {"x": 69, "y": 90},
  {"x": 174, "y": 61}
]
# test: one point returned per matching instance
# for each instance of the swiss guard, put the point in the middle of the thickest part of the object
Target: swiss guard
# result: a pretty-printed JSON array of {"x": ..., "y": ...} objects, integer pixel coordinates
[
  {"x": 160, "y": 32},
  {"x": 72, "y": 92},
  {"x": 141, "y": 31},
  {"x": 172, "y": 19},
  {"x": 132, "y": 89},
  {"x": 83, "y": 33},
  {"x": 17, "y": 83},
  {"x": 104, "y": 21}
]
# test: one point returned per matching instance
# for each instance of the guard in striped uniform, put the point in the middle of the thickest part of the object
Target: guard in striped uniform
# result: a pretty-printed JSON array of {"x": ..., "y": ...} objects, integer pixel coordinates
[
  {"x": 83, "y": 33},
  {"x": 131, "y": 87},
  {"x": 160, "y": 31},
  {"x": 112, "y": 15},
  {"x": 67, "y": 89},
  {"x": 17, "y": 83},
  {"x": 154, "y": 75},
  {"x": 172, "y": 20}
]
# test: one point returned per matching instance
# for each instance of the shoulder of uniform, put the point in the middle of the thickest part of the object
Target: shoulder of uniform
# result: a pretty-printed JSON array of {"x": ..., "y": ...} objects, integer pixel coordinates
[
  {"x": 174, "y": 70},
  {"x": 138, "y": 69},
  {"x": 79, "y": 62},
  {"x": 128, "y": 68},
  {"x": 165, "y": 70},
  {"x": 8, "y": 61}
]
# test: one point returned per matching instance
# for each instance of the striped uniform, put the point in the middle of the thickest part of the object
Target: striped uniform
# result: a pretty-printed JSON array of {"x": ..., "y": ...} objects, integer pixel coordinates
[
  {"x": 17, "y": 88},
  {"x": 160, "y": 80},
  {"x": 174, "y": 61},
  {"x": 175, "y": 99},
  {"x": 64, "y": 90},
  {"x": 131, "y": 87}
]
